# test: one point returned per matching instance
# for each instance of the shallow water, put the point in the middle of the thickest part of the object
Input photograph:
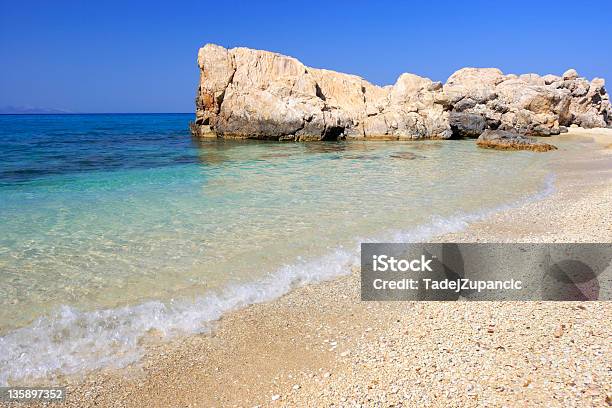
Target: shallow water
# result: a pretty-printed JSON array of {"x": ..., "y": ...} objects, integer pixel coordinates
[{"x": 113, "y": 225}]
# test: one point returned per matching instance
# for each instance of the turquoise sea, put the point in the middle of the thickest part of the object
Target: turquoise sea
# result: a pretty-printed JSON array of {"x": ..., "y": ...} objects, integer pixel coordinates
[{"x": 115, "y": 226}]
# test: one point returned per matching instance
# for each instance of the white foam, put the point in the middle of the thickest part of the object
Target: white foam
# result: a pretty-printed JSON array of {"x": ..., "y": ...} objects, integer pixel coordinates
[{"x": 71, "y": 341}]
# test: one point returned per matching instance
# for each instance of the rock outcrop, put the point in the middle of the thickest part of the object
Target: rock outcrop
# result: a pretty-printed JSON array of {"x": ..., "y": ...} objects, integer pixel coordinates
[
  {"x": 485, "y": 98},
  {"x": 246, "y": 93},
  {"x": 504, "y": 140}
]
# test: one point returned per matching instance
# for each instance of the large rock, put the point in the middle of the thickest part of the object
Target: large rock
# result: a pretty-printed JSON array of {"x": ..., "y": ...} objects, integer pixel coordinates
[
  {"x": 527, "y": 104},
  {"x": 467, "y": 124},
  {"x": 246, "y": 93},
  {"x": 504, "y": 140}
]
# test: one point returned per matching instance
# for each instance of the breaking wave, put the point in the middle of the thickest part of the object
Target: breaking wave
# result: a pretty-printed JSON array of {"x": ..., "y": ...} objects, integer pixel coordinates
[{"x": 70, "y": 341}]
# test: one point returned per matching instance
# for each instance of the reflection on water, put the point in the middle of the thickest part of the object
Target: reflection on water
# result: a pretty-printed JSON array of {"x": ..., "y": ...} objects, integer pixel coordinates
[{"x": 216, "y": 151}]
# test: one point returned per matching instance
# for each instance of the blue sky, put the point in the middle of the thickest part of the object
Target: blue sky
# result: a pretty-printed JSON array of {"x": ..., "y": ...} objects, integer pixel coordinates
[{"x": 127, "y": 56}]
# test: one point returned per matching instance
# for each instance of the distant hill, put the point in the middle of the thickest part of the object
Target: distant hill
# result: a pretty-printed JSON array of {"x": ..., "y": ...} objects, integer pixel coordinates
[{"x": 29, "y": 110}]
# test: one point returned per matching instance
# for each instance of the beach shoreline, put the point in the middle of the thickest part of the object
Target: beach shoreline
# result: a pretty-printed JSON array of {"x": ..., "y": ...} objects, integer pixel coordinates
[{"x": 320, "y": 345}]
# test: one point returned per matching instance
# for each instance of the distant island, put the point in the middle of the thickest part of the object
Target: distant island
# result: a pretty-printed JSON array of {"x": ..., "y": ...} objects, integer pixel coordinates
[
  {"x": 253, "y": 94},
  {"x": 31, "y": 110}
]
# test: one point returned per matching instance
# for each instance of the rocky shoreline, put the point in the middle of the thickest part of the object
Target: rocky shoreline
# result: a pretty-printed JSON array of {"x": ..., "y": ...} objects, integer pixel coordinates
[{"x": 254, "y": 94}]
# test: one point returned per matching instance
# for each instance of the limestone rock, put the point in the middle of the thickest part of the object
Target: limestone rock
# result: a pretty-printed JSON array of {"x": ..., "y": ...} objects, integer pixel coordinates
[
  {"x": 570, "y": 74},
  {"x": 504, "y": 140},
  {"x": 245, "y": 93},
  {"x": 256, "y": 94},
  {"x": 467, "y": 124},
  {"x": 549, "y": 79},
  {"x": 527, "y": 104}
]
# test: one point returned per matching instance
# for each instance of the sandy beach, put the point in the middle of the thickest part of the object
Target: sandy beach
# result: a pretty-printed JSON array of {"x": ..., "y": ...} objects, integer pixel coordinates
[{"x": 321, "y": 346}]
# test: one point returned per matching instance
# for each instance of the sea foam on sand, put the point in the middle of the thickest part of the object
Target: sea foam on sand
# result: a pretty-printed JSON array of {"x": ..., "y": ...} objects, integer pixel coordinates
[{"x": 70, "y": 341}]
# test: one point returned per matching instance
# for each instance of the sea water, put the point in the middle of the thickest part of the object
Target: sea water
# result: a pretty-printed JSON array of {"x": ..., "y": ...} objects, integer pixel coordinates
[{"x": 114, "y": 226}]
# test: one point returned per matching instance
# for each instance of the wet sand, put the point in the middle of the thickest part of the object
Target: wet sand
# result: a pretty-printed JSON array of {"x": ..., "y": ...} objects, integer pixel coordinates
[{"x": 321, "y": 346}]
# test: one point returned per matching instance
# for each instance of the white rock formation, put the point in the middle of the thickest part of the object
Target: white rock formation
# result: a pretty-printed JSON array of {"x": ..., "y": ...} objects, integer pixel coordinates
[{"x": 246, "y": 93}]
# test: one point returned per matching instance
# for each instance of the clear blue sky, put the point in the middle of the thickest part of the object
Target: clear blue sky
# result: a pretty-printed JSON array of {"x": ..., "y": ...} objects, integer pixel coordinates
[{"x": 107, "y": 56}]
